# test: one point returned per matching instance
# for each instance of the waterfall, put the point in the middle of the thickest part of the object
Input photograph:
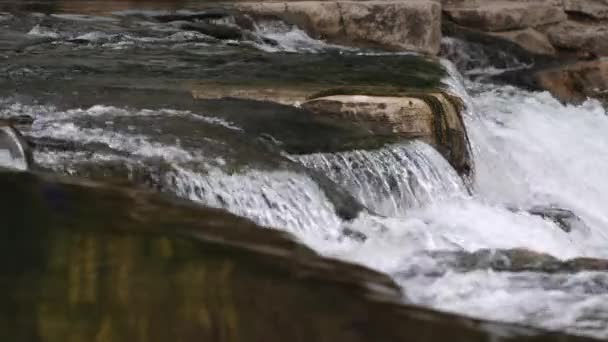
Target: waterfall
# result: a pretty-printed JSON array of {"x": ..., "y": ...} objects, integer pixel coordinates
[
  {"x": 278, "y": 199},
  {"x": 12, "y": 152},
  {"x": 477, "y": 60},
  {"x": 390, "y": 180}
]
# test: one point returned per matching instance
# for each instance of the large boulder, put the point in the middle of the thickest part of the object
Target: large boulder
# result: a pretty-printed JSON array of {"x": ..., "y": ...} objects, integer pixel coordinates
[
  {"x": 432, "y": 117},
  {"x": 586, "y": 38},
  {"x": 576, "y": 82},
  {"x": 392, "y": 25},
  {"x": 501, "y": 15},
  {"x": 597, "y": 9}
]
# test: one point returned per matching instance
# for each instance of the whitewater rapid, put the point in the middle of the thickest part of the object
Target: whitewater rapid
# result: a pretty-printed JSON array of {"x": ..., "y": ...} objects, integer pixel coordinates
[{"x": 529, "y": 149}]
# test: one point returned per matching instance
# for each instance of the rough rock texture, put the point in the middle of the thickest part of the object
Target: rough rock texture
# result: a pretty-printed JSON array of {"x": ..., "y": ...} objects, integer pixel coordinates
[
  {"x": 392, "y": 25},
  {"x": 432, "y": 117},
  {"x": 576, "y": 82},
  {"x": 593, "y": 8},
  {"x": 516, "y": 260},
  {"x": 504, "y": 15},
  {"x": 409, "y": 116},
  {"x": 530, "y": 39},
  {"x": 591, "y": 38}
]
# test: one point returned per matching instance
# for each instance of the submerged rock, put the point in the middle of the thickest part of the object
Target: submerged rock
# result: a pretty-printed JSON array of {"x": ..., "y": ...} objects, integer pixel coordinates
[
  {"x": 84, "y": 261},
  {"x": 564, "y": 218},
  {"x": 218, "y": 31},
  {"x": 516, "y": 260}
]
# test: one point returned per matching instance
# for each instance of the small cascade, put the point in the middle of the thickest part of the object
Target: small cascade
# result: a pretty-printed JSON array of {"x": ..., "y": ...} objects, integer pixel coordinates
[
  {"x": 278, "y": 199},
  {"x": 278, "y": 36},
  {"x": 392, "y": 179},
  {"x": 477, "y": 60},
  {"x": 273, "y": 196},
  {"x": 13, "y": 152}
]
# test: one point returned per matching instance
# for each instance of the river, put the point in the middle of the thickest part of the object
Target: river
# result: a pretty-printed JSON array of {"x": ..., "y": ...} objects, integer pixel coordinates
[{"x": 111, "y": 91}]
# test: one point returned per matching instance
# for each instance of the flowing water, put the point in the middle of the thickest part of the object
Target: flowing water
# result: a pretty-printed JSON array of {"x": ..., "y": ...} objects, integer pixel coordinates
[{"x": 398, "y": 208}]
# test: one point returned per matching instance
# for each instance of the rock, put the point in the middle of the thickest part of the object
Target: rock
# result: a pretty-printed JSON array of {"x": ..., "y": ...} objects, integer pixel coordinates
[
  {"x": 564, "y": 218},
  {"x": 515, "y": 260},
  {"x": 87, "y": 261},
  {"x": 213, "y": 13},
  {"x": 392, "y": 25},
  {"x": 19, "y": 120},
  {"x": 574, "y": 83},
  {"x": 431, "y": 117},
  {"x": 411, "y": 26},
  {"x": 501, "y": 15},
  {"x": 472, "y": 49},
  {"x": 530, "y": 39},
  {"x": 354, "y": 235},
  {"x": 214, "y": 30},
  {"x": 585, "y": 38},
  {"x": 14, "y": 150},
  {"x": 597, "y": 9}
]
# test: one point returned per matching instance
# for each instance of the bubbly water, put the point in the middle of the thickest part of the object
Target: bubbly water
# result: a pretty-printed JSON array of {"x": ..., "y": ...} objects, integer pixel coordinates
[
  {"x": 393, "y": 179},
  {"x": 529, "y": 149}
]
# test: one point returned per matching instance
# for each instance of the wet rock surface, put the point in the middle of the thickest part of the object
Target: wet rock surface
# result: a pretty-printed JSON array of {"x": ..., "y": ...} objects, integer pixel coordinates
[
  {"x": 576, "y": 82},
  {"x": 517, "y": 260},
  {"x": 430, "y": 117}
]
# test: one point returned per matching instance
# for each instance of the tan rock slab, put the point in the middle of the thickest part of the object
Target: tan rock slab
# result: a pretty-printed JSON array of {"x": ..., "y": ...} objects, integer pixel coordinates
[
  {"x": 391, "y": 25},
  {"x": 582, "y": 37},
  {"x": 577, "y": 82},
  {"x": 594, "y": 8},
  {"x": 505, "y": 15},
  {"x": 529, "y": 39}
]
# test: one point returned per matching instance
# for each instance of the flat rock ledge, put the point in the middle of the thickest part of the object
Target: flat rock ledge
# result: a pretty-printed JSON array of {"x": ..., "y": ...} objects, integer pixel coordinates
[{"x": 433, "y": 117}]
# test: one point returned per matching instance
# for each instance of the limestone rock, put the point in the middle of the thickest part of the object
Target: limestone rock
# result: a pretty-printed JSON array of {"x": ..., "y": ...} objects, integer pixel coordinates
[
  {"x": 431, "y": 117},
  {"x": 412, "y": 26},
  {"x": 576, "y": 82},
  {"x": 593, "y": 8},
  {"x": 529, "y": 39},
  {"x": 581, "y": 37},
  {"x": 503, "y": 15},
  {"x": 392, "y": 25}
]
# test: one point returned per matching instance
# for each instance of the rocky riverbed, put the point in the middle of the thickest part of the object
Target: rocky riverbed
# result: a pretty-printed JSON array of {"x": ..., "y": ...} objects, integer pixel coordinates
[{"x": 178, "y": 170}]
